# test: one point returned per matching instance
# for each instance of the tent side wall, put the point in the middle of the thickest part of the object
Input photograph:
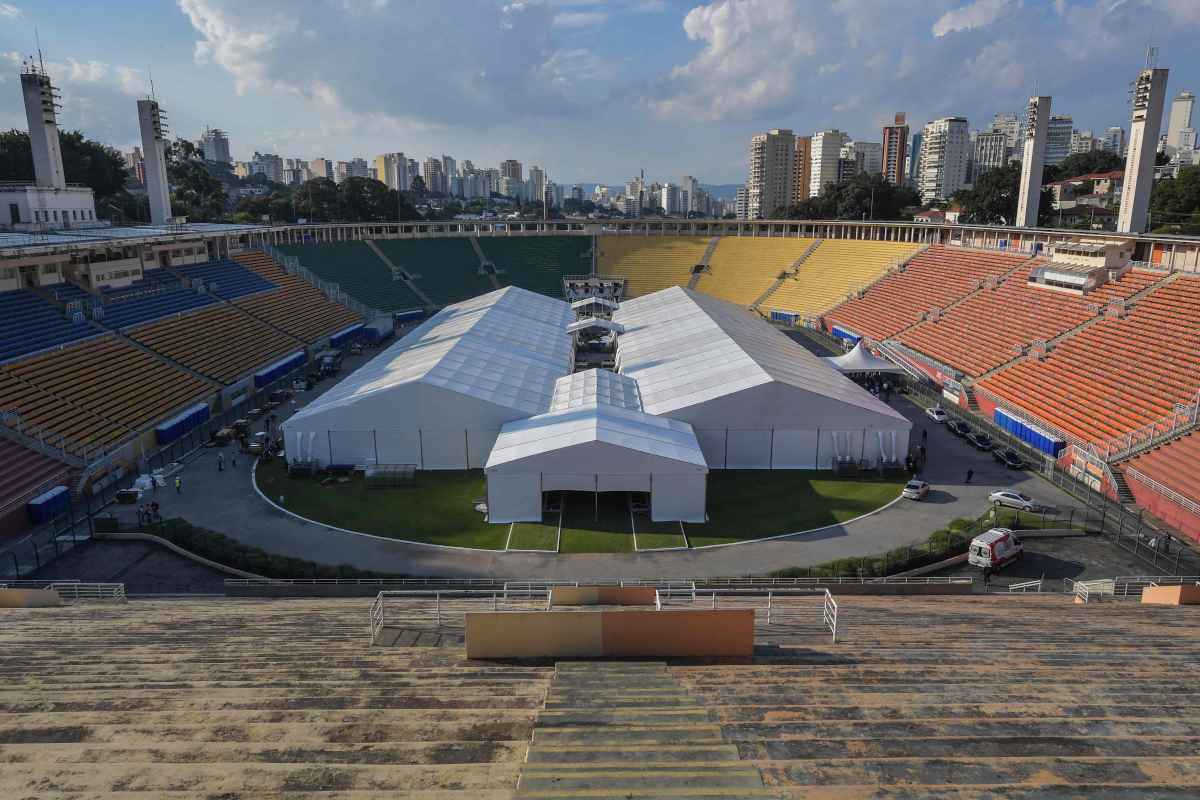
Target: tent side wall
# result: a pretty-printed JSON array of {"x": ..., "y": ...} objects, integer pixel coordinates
[
  {"x": 514, "y": 498},
  {"x": 679, "y": 497}
]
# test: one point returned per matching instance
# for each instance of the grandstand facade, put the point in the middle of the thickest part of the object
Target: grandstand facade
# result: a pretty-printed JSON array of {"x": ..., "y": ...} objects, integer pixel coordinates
[{"x": 201, "y": 312}]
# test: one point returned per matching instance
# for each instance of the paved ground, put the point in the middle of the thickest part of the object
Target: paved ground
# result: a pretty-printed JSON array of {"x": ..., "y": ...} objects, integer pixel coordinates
[
  {"x": 226, "y": 502},
  {"x": 1079, "y": 558},
  {"x": 143, "y": 567}
]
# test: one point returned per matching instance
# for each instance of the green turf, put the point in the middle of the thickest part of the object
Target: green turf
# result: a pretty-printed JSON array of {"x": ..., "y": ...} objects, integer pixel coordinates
[
  {"x": 656, "y": 535},
  {"x": 535, "y": 535},
  {"x": 438, "y": 508},
  {"x": 752, "y": 504},
  {"x": 583, "y": 533}
]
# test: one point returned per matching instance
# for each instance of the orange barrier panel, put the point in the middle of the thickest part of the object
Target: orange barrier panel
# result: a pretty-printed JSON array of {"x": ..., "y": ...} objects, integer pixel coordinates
[
  {"x": 1171, "y": 595},
  {"x": 602, "y": 596},
  {"x": 594, "y": 634},
  {"x": 29, "y": 598}
]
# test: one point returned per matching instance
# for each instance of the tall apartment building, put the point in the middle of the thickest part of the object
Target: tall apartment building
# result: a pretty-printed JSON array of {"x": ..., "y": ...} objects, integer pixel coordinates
[
  {"x": 1058, "y": 139},
  {"x": 392, "y": 170},
  {"x": 1083, "y": 142},
  {"x": 537, "y": 183},
  {"x": 511, "y": 168},
  {"x": 772, "y": 163},
  {"x": 449, "y": 172},
  {"x": 690, "y": 187},
  {"x": 669, "y": 198},
  {"x": 945, "y": 153},
  {"x": 850, "y": 163},
  {"x": 321, "y": 168},
  {"x": 871, "y": 154},
  {"x": 1010, "y": 126},
  {"x": 435, "y": 179},
  {"x": 215, "y": 144},
  {"x": 801, "y": 169},
  {"x": 1180, "y": 119},
  {"x": 912, "y": 163},
  {"x": 991, "y": 152},
  {"x": 895, "y": 149},
  {"x": 1149, "y": 95},
  {"x": 826, "y": 152},
  {"x": 1114, "y": 140},
  {"x": 742, "y": 203}
]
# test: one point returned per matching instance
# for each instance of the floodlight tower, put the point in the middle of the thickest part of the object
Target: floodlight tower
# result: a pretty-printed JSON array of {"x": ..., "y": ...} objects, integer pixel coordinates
[
  {"x": 1037, "y": 122},
  {"x": 1149, "y": 95},
  {"x": 41, "y": 111},
  {"x": 154, "y": 150}
]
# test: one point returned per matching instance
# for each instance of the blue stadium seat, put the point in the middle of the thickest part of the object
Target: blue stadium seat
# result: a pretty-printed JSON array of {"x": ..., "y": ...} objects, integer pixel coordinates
[
  {"x": 227, "y": 278},
  {"x": 28, "y": 323}
]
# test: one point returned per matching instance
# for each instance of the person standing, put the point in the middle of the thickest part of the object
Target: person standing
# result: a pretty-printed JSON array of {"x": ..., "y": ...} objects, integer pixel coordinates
[
  {"x": 220, "y": 462},
  {"x": 179, "y": 484},
  {"x": 970, "y": 474}
]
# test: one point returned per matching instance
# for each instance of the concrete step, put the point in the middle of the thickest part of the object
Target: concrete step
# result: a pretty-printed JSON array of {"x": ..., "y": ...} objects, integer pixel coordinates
[
  {"x": 619, "y": 752},
  {"x": 630, "y": 735},
  {"x": 618, "y": 777},
  {"x": 624, "y": 716}
]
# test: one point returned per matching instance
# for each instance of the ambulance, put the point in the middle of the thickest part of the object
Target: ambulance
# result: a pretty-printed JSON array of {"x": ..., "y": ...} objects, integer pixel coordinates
[{"x": 994, "y": 549}]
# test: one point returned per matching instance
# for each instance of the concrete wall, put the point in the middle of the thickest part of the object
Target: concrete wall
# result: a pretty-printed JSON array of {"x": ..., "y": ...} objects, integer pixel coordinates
[
  {"x": 29, "y": 598},
  {"x": 595, "y": 634},
  {"x": 602, "y": 596},
  {"x": 1171, "y": 595}
]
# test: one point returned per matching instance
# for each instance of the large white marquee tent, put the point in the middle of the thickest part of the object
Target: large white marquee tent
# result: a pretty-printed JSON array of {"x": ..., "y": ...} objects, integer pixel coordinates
[{"x": 700, "y": 384}]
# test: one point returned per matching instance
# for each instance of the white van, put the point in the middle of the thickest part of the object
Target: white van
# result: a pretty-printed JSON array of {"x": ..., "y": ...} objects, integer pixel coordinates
[{"x": 994, "y": 549}]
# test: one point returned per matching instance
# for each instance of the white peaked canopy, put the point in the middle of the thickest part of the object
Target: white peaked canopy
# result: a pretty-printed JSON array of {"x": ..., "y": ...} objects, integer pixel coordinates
[
  {"x": 755, "y": 398},
  {"x": 438, "y": 397},
  {"x": 596, "y": 438},
  {"x": 860, "y": 359}
]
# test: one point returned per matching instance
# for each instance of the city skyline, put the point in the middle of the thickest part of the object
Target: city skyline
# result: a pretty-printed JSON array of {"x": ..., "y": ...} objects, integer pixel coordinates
[{"x": 244, "y": 71}]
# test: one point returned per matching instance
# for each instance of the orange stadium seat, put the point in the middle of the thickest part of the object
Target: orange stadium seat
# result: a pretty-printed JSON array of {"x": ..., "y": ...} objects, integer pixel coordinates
[{"x": 297, "y": 308}]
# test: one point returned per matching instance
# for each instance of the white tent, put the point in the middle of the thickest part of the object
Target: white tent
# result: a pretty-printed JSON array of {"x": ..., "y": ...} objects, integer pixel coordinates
[
  {"x": 438, "y": 397},
  {"x": 861, "y": 359},
  {"x": 596, "y": 438},
  {"x": 755, "y": 398}
]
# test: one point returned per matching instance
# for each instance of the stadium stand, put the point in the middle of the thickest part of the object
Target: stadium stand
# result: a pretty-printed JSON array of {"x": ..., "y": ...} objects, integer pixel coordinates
[
  {"x": 836, "y": 268},
  {"x": 941, "y": 697},
  {"x": 150, "y": 298},
  {"x": 649, "y": 263},
  {"x": 22, "y": 473},
  {"x": 934, "y": 278},
  {"x": 28, "y": 323},
  {"x": 1118, "y": 374},
  {"x": 538, "y": 263},
  {"x": 743, "y": 267},
  {"x": 223, "y": 343},
  {"x": 972, "y": 338},
  {"x": 356, "y": 269},
  {"x": 97, "y": 392},
  {"x": 226, "y": 278},
  {"x": 297, "y": 308},
  {"x": 447, "y": 270},
  {"x": 1176, "y": 465}
]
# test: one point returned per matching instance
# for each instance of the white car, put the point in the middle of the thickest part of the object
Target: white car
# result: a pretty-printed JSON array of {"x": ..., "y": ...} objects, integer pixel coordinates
[
  {"x": 1011, "y": 499},
  {"x": 937, "y": 414},
  {"x": 915, "y": 490}
]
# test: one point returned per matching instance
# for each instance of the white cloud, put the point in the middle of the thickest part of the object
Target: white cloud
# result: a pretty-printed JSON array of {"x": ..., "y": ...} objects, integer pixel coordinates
[
  {"x": 580, "y": 19},
  {"x": 9, "y": 11},
  {"x": 979, "y": 14}
]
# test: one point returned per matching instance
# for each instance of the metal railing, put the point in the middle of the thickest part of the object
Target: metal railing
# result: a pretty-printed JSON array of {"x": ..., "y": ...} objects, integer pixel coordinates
[
  {"x": 1167, "y": 492},
  {"x": 76, "y": 592},
  {"x": 1026, "y": 586},
  {"x": 830, "y": 614},
  {"x": 1086, "y": 590},
  {"x": 1185, "y": 417},
  {"x": 1125, "y": 585}
]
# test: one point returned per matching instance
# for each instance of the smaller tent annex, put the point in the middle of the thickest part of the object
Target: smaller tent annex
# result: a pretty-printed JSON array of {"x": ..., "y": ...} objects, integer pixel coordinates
[
  {"x": 861, "y": 359},
  {"x": 596, "y": 438},
  {"x": 754, "y": 397},
  {"x": 438, "y": 397}
]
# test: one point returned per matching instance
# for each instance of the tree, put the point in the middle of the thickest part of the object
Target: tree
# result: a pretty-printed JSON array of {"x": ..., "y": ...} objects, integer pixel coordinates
[
  {"x": 863, "y": 196},
  {"x": 95, "y": 165},
  {"x": 1175, "y": 203},
  {"x": 993, "y": 200},
  {"x": 317, "y": 199},
  {"x": 1083, "y": 164},
  {"x": 364, "y": 200},
  {"x": 417, "y": 187}
]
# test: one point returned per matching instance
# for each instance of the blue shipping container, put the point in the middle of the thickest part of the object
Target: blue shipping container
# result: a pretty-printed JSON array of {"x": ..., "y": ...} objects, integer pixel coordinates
[
  {"x": 181, "y": 423},
  {"x": 786, "y": 317},
  {"x": 48, "y": 505},
  {"x": 280, "y": 368},
  {"x": 409, "y": 315},
  {"x": 1029, "y": 433},
  {"x": 841, "y": 333},
  {"x": 345, "y": 335}
]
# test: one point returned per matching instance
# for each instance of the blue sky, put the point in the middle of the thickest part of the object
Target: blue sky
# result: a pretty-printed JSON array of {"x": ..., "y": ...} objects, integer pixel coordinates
[{"x": 590, "y": 90}]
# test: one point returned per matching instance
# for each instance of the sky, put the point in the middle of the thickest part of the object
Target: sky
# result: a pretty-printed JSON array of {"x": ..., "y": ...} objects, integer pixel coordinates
[{"x": 590, "y": 90}]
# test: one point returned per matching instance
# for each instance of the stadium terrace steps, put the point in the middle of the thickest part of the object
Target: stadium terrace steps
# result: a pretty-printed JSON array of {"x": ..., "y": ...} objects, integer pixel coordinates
[
  {"x": 220, "y": 698},
  {"x": 968, "y": 337},
  {"x": 1118, "y": 374},
  {"x": 834, "y": 269},
  {"x": 97, "y": 392},
  {"x": 484, "y": 263},
  {"x": 359, "y": 270},
  {"x": 226, "y": 278},
  {"x": 649, "y": 263},
  {"x": 297, "y": 308},
  {"x": 743, "y": 268},
  {"x": 445, "y": 270},
  {"x": 222, "y": 343},
  {"x": 1176, "y": 465},
  {"x": 934, "y": 278},
  {"x": 30, "y": 323},
  {"x": 24, "y": 471},
  {"x": 538, "y": 263}
]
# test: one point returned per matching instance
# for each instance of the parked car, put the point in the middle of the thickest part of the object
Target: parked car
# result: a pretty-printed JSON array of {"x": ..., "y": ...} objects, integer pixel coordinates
[
  {"x": 980, "y": 439},
  {"x": 937, "y": 414},
  {"x": 958, "y": 427},
  {"x": 995, "y": 548},
  {"x": 1009, "y": 458},
  {"x": 915, "y": 490},
  {"x": 1017, "y": 500}
]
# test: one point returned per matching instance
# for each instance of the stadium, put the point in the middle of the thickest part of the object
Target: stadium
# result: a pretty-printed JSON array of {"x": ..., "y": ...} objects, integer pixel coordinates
[{"x": 579, "y": 508}]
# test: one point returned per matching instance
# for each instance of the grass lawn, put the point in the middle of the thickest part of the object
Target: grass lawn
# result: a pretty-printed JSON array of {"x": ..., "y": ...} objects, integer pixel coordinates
[
  {"x": 583, "y": 533},
  {"x": 535, "y": 535},
  {"x": 655, "y": 535},
  {"x": 438, "y": 508},
  {"x": 753, "y": 504}
]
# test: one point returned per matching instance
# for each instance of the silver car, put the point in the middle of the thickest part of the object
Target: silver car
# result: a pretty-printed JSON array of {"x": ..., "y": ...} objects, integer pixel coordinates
[{"x": 1013, "y": 499}]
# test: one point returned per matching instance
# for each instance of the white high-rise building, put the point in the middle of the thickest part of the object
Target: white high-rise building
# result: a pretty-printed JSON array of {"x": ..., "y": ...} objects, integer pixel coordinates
[
  {"x": 392, "y": 170},
  {"x": 215, "y": 144},
  {"x": 1058, "y": 139},
  {"x": 691, "y": 187},
  {"x": 1114, "y": 140},
  {"x": 825, "y": 154},
  {"x": 1181, "y": 118},
  {"x": 669, "y": 198},
  {"x": 871, "y": 155},
  {"x": 1037, "y": 121},
  {"x": 1082, "y": 142},
  {"x": 1010, "y": 126},
  {"x": 742, "y": 203},
  {"x": 154, "y": 150},
  {"x": 991, "y": 152},
  {"x": 769, "y": 184},
  {"x": 537, "y": 183},
  {"x": 449, "y": 171},
  {"x": 1149, "y": 95},
  {"x": 945, "y": 154}
]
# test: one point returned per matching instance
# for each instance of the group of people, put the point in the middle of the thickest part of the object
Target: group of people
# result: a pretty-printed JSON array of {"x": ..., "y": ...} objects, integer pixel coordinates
[{"x": 148, "y": 512}]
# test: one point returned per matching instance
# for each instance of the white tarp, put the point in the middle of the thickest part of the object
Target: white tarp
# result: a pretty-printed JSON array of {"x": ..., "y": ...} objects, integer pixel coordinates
[{"x": 860, "y": 359}]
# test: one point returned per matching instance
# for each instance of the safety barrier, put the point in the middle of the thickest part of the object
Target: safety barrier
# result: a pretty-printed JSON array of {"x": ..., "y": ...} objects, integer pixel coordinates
[{"x": 1086, "y": 590}]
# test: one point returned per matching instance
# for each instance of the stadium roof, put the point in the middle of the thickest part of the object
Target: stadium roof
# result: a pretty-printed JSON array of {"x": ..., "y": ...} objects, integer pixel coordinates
[
  {"x": 507, "y": 347},
  {"x": 12, "y": 240},
  {"x": 685, "y": 348}
]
